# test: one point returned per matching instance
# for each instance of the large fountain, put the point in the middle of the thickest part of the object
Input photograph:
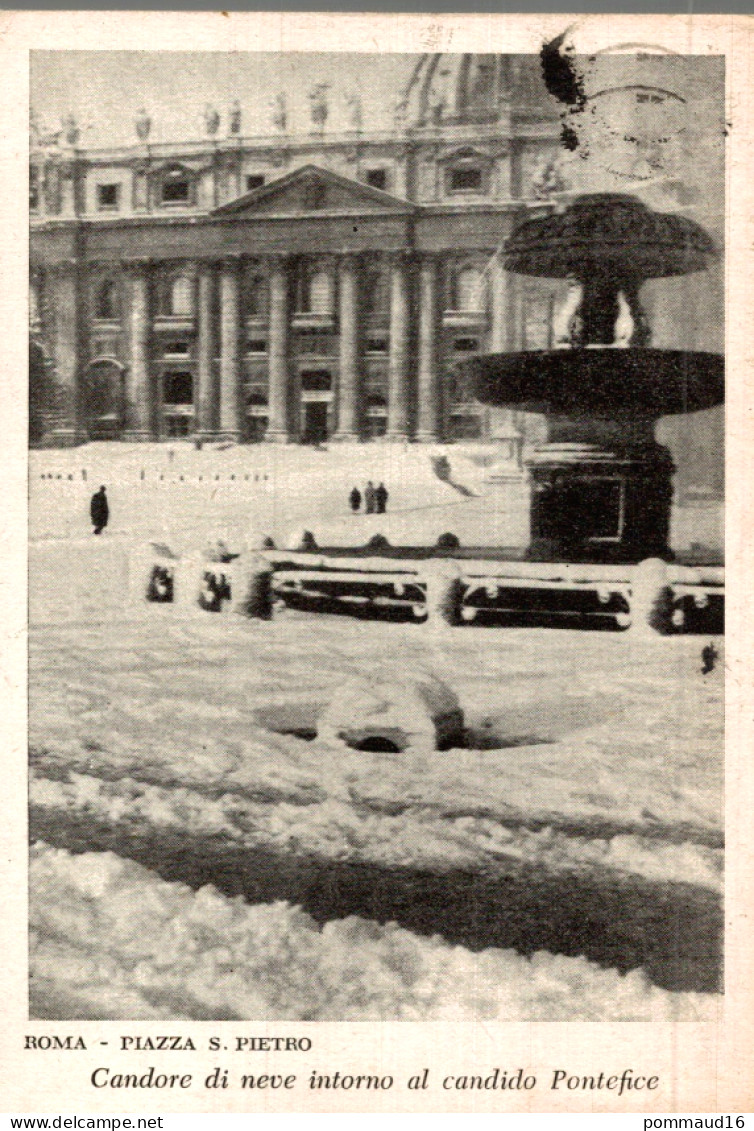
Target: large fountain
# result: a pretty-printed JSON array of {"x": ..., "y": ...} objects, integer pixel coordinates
[{"x": 601, "y": 485}]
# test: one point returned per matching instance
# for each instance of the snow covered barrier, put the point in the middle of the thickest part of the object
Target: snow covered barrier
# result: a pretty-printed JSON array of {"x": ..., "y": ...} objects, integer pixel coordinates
[{"x": 394, "y": 712}]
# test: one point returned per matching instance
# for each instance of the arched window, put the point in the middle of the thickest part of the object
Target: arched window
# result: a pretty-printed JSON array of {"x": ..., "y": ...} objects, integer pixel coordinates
[
  {"x": 469, "y": 290},
  {"x": 106, "y": 300},
  {"x": 180, "y": 296}
]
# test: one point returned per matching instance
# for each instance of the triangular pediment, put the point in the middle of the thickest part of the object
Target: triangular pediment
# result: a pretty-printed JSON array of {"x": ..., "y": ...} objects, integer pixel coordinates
[{"x": 311, "y": 191}]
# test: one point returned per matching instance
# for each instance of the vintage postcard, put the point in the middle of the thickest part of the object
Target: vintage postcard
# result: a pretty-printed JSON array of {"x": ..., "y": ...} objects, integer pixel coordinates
[{"x": 376, "y": 708}]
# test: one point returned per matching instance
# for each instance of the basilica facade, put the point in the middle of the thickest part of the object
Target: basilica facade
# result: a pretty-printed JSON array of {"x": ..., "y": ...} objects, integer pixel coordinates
[{"x": 293, "y": 287}]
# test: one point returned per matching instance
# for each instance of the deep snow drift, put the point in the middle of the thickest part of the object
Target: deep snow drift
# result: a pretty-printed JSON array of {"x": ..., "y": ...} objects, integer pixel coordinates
[
  {"x": 110, "y": 940},
  {"x": 583, "y": 817}
]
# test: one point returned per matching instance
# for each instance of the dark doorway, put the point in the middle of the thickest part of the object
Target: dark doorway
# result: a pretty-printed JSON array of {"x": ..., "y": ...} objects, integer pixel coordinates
[
  {"x": 102, "y": 400},
  {"x": 177, "y": 403},
  {"x": 315, "y": 423},
  {"x": 178, "y": 389}
]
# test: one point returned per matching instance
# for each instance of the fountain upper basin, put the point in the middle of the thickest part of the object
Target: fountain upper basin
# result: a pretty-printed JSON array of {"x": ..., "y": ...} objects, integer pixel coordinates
[{"x": 602, "y": 381}]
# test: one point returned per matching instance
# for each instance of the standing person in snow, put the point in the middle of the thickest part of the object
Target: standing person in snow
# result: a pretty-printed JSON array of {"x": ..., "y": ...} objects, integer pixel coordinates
[
  {"x": 99, "y": 510},
  {"x": 355, "y": 499},
  {"x": 369, "y": 497},
  {"x": 380, "y": 498}
]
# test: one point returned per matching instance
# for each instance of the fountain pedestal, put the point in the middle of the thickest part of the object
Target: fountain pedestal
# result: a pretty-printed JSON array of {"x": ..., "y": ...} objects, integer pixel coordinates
[{"x": 589, "y": 503}]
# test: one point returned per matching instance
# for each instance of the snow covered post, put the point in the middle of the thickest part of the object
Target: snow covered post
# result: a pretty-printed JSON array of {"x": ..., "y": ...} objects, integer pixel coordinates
[
  {"x": 651, "y": 599},
  {"x": 188, "y": 580},
  {"x": 252, "y": 583},
  {"x": 444, "y": 592},
  {"x": 301, "y": 541}
]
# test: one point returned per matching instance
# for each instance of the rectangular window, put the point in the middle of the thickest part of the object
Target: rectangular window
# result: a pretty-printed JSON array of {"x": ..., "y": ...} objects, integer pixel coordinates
[
  {"x": 256, "y": 345},
  {"x": 107, "y": 197},
  {"x": 377, "y": 178},
  {"x": 465, "y": 180},
  {"x": 376, "y": 345},
  {"x": 254, "y": 181},
  {"x": 175, "y": 191},
  {"x": 466, "y": 345}
]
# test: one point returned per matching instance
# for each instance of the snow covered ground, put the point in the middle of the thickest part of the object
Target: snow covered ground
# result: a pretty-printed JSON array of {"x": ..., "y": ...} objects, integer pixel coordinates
[{"x": 583, "y": 817}]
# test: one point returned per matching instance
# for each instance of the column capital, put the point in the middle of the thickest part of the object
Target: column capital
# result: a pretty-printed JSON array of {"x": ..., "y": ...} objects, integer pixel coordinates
[
  {"x": 64, "y": 267},
  {"x": 401, "y": 257},
  {"x": 230, "y": 262},
  {"x": 136, "y": 266}
]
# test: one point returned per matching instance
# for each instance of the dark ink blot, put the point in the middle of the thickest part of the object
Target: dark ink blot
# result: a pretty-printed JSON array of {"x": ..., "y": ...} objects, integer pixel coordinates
[
  {"x": 561, "y": 77},
  {"x": 568, "y": 138}
]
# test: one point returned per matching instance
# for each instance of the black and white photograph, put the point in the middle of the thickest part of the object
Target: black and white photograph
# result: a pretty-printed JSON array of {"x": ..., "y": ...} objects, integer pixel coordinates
[{"x": 375, "y": 534}]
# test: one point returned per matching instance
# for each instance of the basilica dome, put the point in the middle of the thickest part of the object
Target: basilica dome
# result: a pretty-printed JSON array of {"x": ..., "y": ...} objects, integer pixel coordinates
[{"x": 455, "y": 88}]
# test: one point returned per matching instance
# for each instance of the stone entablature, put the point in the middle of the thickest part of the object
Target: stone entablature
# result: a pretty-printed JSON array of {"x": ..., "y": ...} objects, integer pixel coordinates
[{"x": 195, "y": 179}]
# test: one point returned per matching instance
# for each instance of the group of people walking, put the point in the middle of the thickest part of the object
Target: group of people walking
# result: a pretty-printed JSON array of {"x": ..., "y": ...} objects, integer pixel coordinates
[{"x": 374, "y": 498}]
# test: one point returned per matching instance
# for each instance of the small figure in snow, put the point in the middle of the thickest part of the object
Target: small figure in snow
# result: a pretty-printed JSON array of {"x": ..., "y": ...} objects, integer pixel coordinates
[
  {"x": 354, "y": 499},
  {"x": 369, "y": 498},
  {"x": 380, "y": 498},
  {"x": 709, "y": 655},
  {"x": 99, "y": 510}
]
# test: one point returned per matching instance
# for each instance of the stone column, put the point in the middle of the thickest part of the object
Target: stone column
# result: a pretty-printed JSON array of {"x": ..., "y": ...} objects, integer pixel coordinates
[
  {"x": 277, "y": 427},
  {"x": 348, "y": 402},
  {"x": 504, "y": 311},
  {"x": 429, "y": 335},
  {"x": 63, "y": 422},
  {"x": 397, "y": 418},
  {"x": 517, "y": 330},
  {"x": 230, "y": 327},
  {"x": 501, "y": 336},
  {"x": 35, "y": 300},
  {"x": 206, "y": 394},
  {"x": 139, "y": 423}
]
